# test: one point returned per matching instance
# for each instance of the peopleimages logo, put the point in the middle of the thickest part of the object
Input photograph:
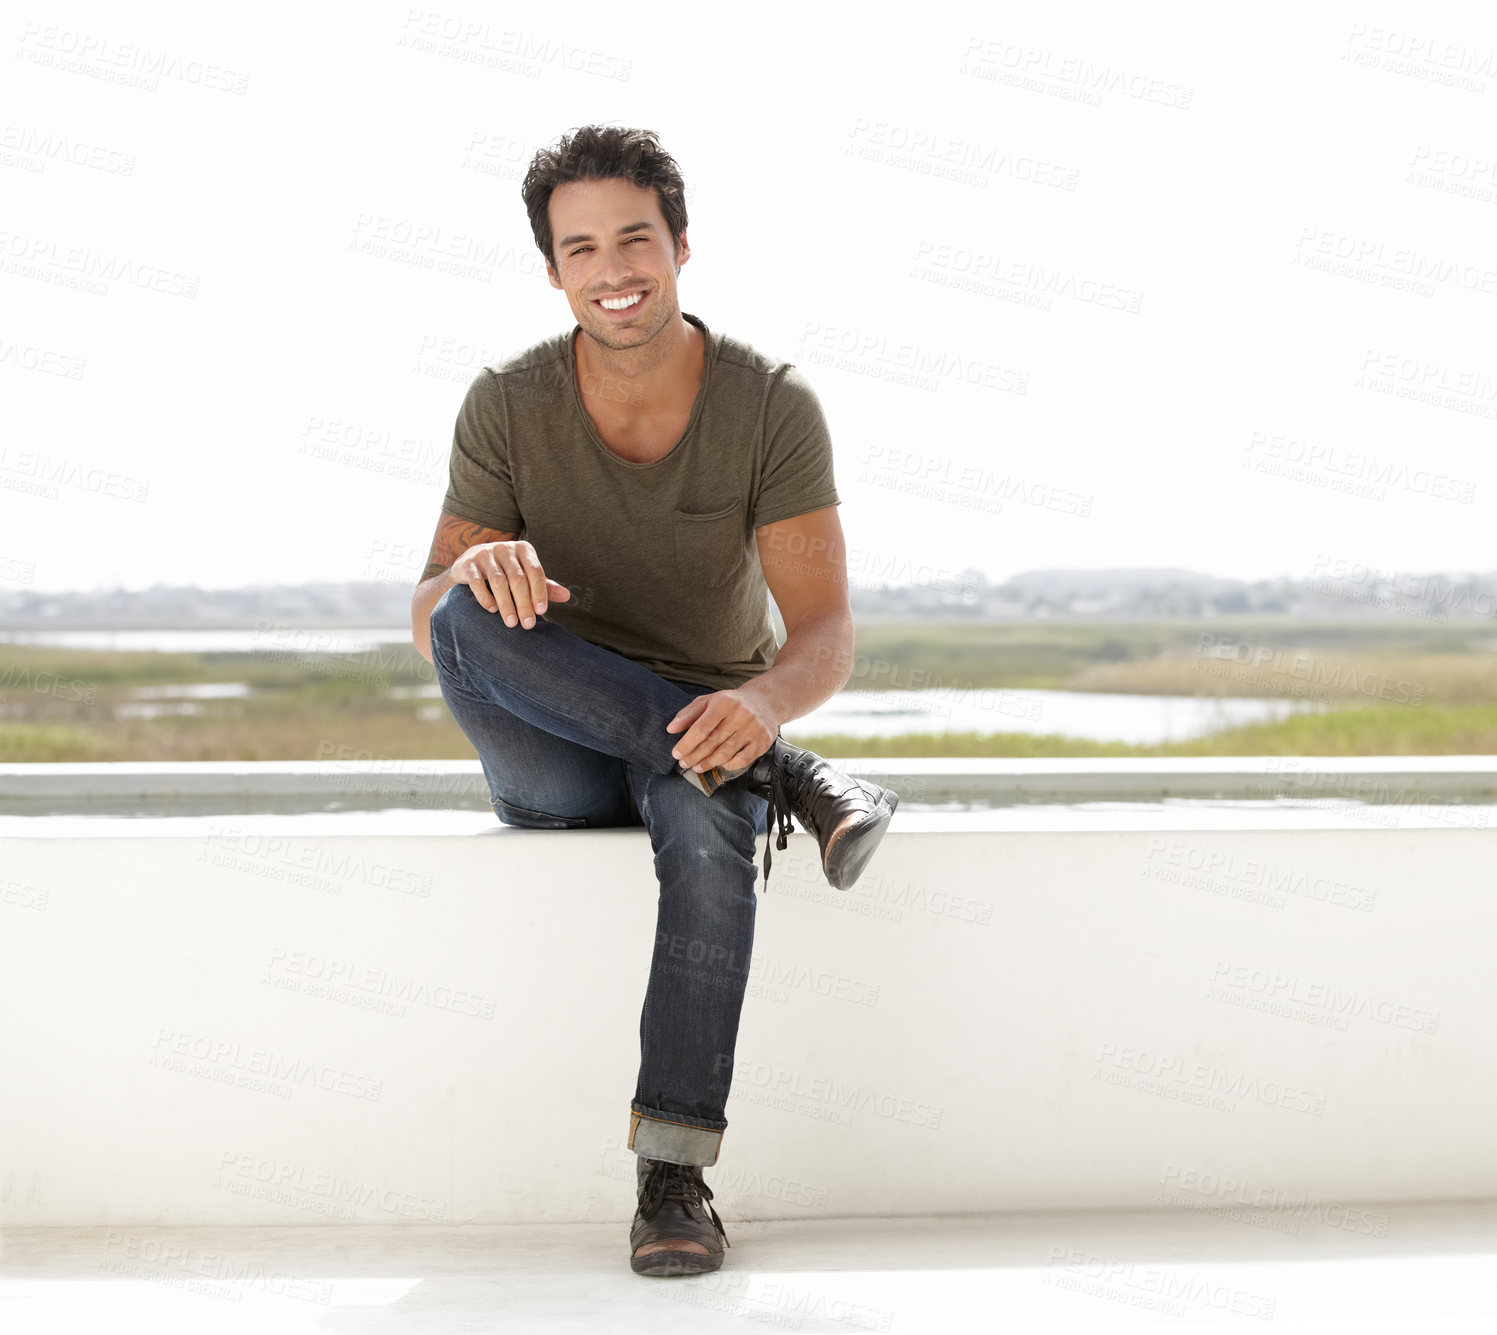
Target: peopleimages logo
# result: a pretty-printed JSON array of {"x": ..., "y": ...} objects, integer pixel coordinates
[
  {"x": 127, "y": 63},
  {"x": 29, "y": 256},
  {"x": 1153, "y": 1287},
  {"x": 208, "y": 1274},
  {"x": 999, "y": 60},
  {"x": 321, "y": 975},
  {"x": 781, "y": 1080},
  {"x": 933, "y": 153},
  {"x": 1274, "y": 877},
  {"x": 1176, "y": 1075},
  {"x": 237, "y": 1170},
  {"x": 1277, "y": 992},
  {"x": 436, "y": 33},
  {"x": 991, "y": 274},
  {"x": 175, "y": 1049},
  {"x": 1233, "y": 1192},
  {"x": 40, "y": 147},
  {"x": 1273, "y": 661}
]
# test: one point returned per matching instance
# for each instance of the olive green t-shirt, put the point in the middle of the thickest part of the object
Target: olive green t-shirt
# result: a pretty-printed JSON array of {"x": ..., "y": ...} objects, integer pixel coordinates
[{"x": 660, "y": 557}]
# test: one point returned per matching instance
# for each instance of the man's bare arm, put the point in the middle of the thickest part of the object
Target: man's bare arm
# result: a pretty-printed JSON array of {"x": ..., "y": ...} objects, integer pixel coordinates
[
  {"x": 454, "y": 536},
  {"x": 804, "y": 560},
  {"x": 805, "y": 566}
]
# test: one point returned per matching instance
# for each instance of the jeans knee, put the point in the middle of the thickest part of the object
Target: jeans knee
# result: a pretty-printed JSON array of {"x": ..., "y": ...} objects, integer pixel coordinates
[
  {"x": 444, "y": 613},
  {"x": 447, "y": 630},
  {"x": 702, "y": 834}
]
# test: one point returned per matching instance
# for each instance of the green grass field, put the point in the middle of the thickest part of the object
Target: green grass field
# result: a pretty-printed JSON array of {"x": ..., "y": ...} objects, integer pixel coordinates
[{"x": 1390, "y": 687}]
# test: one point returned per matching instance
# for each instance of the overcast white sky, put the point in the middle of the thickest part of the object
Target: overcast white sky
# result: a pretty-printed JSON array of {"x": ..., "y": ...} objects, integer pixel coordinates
[{"x": 1128, "y": 252}]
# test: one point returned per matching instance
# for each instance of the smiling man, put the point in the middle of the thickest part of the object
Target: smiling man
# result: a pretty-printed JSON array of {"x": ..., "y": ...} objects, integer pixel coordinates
[{"x": 624, "y": 499}]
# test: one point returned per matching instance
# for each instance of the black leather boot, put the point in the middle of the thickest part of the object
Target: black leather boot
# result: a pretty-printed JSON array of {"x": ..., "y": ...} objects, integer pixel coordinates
[
  {"x": 673, "y": 1203},
  {"x": 847, "y": 816}
]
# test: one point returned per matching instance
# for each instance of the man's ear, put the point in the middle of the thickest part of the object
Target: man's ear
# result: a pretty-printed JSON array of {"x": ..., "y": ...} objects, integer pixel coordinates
[
  {"x": 683, "y": 252},
  {"x": 553, "y": 276}
]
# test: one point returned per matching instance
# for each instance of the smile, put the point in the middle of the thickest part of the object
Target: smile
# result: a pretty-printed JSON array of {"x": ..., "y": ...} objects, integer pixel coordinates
[{"x": 621, "y": 303}]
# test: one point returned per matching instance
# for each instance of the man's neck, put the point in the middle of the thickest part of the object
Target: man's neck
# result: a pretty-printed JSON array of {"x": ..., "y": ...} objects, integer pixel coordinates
[{"x": 656, "y": 374}]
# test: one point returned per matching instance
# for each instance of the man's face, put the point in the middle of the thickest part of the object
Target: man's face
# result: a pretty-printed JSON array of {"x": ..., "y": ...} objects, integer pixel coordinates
[{"x": 612, "y": 242}]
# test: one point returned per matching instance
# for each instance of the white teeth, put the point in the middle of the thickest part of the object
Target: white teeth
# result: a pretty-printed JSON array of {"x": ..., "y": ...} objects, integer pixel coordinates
[{"x": 619, "y": 303}]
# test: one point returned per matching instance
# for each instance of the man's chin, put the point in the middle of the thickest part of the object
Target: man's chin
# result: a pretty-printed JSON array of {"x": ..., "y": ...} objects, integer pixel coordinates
[{"x": 619, "y": 336}]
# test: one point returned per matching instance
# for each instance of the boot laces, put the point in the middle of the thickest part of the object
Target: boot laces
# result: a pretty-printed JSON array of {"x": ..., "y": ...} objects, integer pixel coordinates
[
  {"x": 791, "y": 791},
  {"x": 780, "y": 810},
  {"x": 677, "y": 1182}
]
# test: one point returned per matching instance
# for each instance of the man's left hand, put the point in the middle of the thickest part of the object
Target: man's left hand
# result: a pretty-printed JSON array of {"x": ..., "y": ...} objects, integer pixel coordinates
[{"x": 726, "y": 729}]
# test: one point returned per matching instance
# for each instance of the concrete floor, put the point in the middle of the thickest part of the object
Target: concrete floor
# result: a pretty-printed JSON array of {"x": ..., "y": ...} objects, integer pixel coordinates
[{"x": 1433, "y": 1269}]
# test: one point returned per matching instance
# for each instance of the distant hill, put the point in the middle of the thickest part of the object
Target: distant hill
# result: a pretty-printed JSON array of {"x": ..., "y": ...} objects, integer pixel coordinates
[
  {"x": 183, "y": 606},
  {"x": 1090, "y": 582},
  {"x": 1032, "y": 594}
]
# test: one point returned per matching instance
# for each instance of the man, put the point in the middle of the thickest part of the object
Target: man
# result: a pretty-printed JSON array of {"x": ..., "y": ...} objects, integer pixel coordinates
[{"x": 623, "y": 499}]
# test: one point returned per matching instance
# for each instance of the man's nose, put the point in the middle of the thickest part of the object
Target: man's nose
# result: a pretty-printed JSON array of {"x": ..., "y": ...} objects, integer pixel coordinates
[{"x": 614, "y": 268}]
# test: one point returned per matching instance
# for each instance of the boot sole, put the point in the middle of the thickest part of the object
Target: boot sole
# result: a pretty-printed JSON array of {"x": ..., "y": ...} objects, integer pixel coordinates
[
  {"x": 847, "y": 858},
  {"x": 665, "y": 1264}
]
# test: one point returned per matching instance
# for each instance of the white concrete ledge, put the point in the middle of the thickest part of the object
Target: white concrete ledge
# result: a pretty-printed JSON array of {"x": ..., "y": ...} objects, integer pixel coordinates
[
  {"x": 1389, "y": 1269},
  {"x": 247, "y": 1024},
  {"x": 1371, "y": 778}
]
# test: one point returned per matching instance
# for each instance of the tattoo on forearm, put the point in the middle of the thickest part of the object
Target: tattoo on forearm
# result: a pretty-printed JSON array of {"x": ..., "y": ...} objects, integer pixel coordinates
[{"x": 454, "y": 537}]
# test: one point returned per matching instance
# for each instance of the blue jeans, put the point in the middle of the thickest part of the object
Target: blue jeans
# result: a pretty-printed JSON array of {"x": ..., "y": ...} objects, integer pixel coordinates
[{"x": 572, "y": 736}]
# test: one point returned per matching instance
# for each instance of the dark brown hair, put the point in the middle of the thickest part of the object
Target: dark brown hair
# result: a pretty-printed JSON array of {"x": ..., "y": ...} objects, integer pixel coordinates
[{"x": 600, "y": 153}]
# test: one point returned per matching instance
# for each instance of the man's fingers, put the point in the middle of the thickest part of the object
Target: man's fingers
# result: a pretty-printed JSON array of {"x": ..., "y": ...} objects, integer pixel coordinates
[
  {"x": 688, "y": 714},
  {"x": 481, "y": 590},
  {"x": 499, "y": 588},
  {"x": 723, "y": 733},
  {"x": 742, "y": 758},
  {"x": 705, "y": 761},
  {"x": 506, "y": 577},
  {"x": 503, "y": 603},
  {"x": 519, "y": 591},
  {"x": 694, "y": 740},
  {"x": 711, "y": 737},
  {"x": 726, "y": 752},
  {"x": 535, "y": 579},
  {"x": 688, "y": 751},
  {"x": 468, "y": 572}
]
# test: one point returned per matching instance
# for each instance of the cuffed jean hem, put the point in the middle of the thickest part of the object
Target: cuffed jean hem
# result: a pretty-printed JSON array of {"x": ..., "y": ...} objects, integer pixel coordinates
[{"x": 673, "y": 1137}]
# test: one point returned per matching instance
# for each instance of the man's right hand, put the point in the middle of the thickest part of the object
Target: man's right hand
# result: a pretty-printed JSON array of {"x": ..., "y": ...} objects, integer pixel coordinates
[{"x": 506, "y": 577}]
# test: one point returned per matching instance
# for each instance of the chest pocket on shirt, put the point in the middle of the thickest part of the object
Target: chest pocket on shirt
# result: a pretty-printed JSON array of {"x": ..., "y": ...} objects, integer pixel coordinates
[{"x": 710, "y": 548}]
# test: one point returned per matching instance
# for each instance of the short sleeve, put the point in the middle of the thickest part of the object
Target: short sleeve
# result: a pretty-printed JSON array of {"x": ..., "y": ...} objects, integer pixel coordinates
[
  {"x": 479, "y": 485},
  {"x": 797, "y": 474}
]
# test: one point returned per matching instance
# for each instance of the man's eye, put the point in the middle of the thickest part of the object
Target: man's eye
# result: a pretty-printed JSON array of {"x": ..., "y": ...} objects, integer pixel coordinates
[{"x": 579, "y": 250}]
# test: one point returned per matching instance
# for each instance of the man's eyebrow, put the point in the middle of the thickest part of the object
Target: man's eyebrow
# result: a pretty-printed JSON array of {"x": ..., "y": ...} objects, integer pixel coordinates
[{"x": 623, "y": 231}]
